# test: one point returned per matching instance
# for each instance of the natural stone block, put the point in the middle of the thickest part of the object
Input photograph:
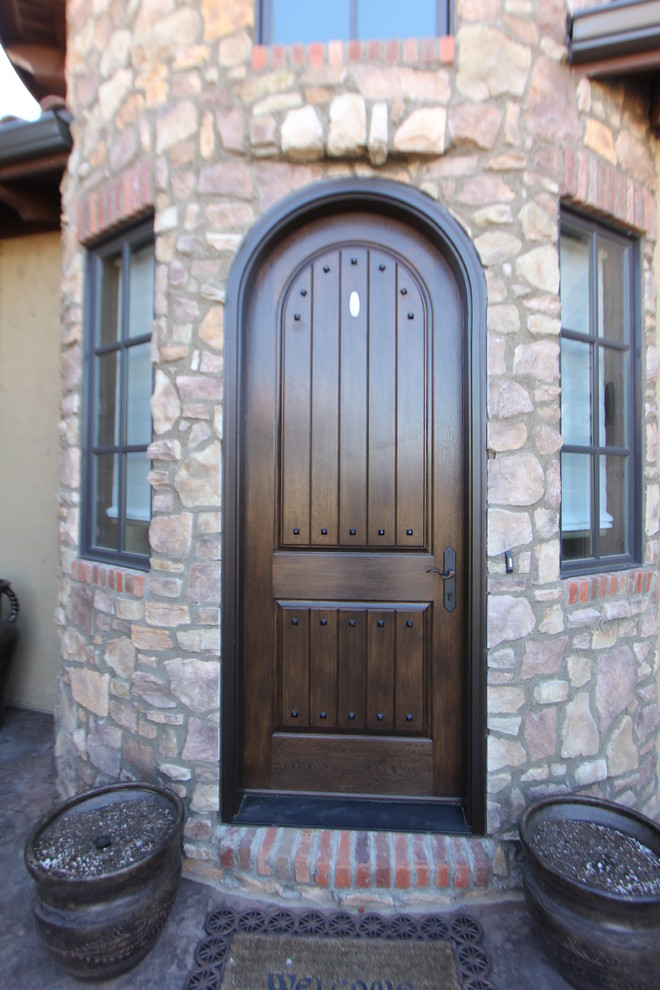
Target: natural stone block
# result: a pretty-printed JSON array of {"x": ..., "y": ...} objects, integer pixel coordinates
[
  {"x": 504, "y": 753},
  {"x": 515, "y": 479},
  {"x": 226, "y": 179},
  {"x": 422, "y": 133},
  {"x": 175, "y": 125},
  {"x": 540, "y": 731},
  {"x": 377, "y": 143},
  {"x": 579, "y": 670},
  {"x": 91, "y": 690},
  {"x": 202, "y": 741},
  {"x": 199, "y": 641},
  {"x": 206, "y": 797},
  {"x": 598, "y": 136},
  {"x": 507, "y": 398},
  {"x": 474, "y": 123},
  {"x": 509, "y": 618},
  {"x": 150, "y": 639},
  {"x": 154, "y": 691},
  {"x": 616, "y": 678},
  {"x": 550, "y": 106},
  {"x": 580, "y": 735},
  {"x": 546, "y": 563},
  {"x": 302, "y": 135},
  {"x": 540, "y": 267},
  {"x": 195, "y": 682},
  {"x": 120, "y": 655},
  {"x": 543, "y": 657},
  {"x": 490, "y": 63},
  {"x": 347, "y": 133},
  {"x": 225, "y": 18},
  {"x": 165, "y": 404},
  {"x": 537, "y": 224},
  {"x": 540, "y": 360},
  {"x": 402, "y": 83},
  {"x": 622, "y": 754},
  {"x": 159, "y": 35},
  {"x": 590, "y": 773},
  {"x": 198, "y": 479},
  {"x": 169, "y": 614},
  {"x": 496, "y": 246},
  {"x": 506, "y": 436},
  {"x": 505, "y": 700},
  {"x": 507, "y": 530},
  {"x": 171, "y": 536},
  {"x": 551, "y": 692}
]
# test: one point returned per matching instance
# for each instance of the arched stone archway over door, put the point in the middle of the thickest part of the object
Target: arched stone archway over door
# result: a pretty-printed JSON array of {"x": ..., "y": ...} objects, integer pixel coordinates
[{"x": 353, "y": 690}]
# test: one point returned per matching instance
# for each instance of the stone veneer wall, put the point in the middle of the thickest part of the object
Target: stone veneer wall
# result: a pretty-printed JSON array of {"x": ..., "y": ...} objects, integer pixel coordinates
[{"x": 177, "y": 112}]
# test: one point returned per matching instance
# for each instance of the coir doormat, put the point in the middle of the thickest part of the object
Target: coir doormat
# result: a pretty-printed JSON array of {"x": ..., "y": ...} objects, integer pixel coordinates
[{"x": 259, "y": 949}]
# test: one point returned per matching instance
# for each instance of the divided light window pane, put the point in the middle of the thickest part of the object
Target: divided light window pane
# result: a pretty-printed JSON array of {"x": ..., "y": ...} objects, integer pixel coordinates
[
  {"x": 396, "y": 19},
  {"x": 304, "y": 22}
]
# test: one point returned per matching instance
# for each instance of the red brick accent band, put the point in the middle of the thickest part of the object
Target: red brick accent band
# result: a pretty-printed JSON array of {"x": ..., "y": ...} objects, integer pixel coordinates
[
  {"x": 411, "y": 51},
  {"x": 591, "y": 589},
  {"x": 352, "y": 862},
  {"x": 591, "y": 182},
  {"x": 124, "y": 197},
  {"x": 105, "y": 576}
]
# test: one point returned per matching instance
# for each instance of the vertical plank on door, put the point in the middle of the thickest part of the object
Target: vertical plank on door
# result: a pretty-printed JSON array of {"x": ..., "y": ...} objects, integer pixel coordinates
[
  {"x": 351, "y": 669},
  {"x": 353, "y": 401},
  {"x": 382, "y": 399},
  {"x": 325, "y": 400},
  {"x": 381, "y": 641},
  {"x": 323, "y": 668},
  {"x": 410, "y": 671},
  {"x": 296, "y": 398},
  {"x": 411, "y": 417},
  {"x": 294, "y": 666}
]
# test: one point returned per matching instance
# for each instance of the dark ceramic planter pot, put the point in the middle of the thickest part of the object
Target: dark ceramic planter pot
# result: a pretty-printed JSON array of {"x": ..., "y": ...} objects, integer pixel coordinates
[
  {"x": 8, "y": 636},
  {"x": 106, "y": 866},
  {"x": 596, "y": 934}
]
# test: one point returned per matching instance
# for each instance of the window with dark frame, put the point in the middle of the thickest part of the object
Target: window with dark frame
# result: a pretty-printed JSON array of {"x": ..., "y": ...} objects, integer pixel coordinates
[
  {"x": 284, "y": 22},
  {"x": 116, "y": 504},
  {"x": 600, "y": 414}
]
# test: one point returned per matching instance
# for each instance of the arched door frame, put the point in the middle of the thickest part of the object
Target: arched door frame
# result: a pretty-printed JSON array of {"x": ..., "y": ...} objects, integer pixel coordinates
[{"x": 408, "y": 205}]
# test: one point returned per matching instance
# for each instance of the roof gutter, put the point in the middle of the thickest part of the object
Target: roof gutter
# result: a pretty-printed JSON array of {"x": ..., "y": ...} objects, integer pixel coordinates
[
  {"x": 614, "y": 30},
  {"x": 21, "y": 140}
]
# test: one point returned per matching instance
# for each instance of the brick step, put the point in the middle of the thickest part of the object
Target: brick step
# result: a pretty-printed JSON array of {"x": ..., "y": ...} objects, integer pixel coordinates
[{"x": 397, "y": 867}]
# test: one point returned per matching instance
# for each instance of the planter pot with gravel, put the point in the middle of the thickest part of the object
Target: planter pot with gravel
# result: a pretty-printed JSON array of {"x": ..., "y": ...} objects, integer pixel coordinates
[
  {"x": 592, "y": 885},
  {"x": 106, "y": 866}
]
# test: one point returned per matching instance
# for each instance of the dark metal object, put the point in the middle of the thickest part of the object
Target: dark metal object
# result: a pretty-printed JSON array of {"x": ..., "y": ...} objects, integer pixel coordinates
[
  {"x": 8, "y": 636},
  {"x": 473, "y": 965},
  {"x": 98, "y": 926},
  {"x": 594, "y": 938},
  {"x": 448, "y": 573}
]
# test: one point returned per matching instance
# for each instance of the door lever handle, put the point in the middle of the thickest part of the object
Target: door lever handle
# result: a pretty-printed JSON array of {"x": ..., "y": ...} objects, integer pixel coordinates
[{"x": 447, "y": 575}]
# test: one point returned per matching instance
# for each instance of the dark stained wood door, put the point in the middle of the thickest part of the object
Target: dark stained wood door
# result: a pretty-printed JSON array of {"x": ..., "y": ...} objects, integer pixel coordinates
[{"x": 353, "y": 642}]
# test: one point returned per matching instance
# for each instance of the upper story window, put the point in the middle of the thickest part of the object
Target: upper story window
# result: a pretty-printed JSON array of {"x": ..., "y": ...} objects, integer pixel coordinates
[
  {"x": 600, "y": 414},
  {"x": 116, "y": 504},
  {"x": 283, "y": 22}
]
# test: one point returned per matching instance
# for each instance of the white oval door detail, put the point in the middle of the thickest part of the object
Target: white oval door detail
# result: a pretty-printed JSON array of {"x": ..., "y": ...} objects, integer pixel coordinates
[{"x": 354, "y": 304}]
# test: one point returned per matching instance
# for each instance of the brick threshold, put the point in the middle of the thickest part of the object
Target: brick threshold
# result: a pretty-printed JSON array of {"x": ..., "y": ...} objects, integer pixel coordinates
[{"x": 393, "y": 867}]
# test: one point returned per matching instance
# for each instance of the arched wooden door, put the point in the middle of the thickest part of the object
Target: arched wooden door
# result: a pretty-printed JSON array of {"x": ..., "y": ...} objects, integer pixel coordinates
[{"x": 353, "y": 598}]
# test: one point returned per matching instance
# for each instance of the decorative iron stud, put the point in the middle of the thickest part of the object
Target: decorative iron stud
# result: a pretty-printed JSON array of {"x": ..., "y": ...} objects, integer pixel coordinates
[
  {"x": 324, "y": 532},
  {"x": 351, "y": 622},
  {"x": 326, "y": 268},
  {"x": 381, "y": 532},
  {"x": 409, "y": 717},
  {"x": 296, "y": 531},
  {"x": 404, "y": 291},
  {"x": 354, "y": 261},
  {"x": 294, "y": 622},
  {"x": 381, "y": 622},
  {"x": 294, "y": 714},
  {"x": 303, "y": 292},
  {"x": 323, "y": 714},
  {"x": 351, "y": 716},
  {"x": 409, "y": 532},
  {"x": 380, "y": 717},
  {"x": 381, "y": 267},
  {"x": 324, "y": 622},
  {"x": 296, "y": 317},
  {"x": 411, "y": 316},
  {"x": 352, "y": 532},
  {"x": 409, "y": 623}
]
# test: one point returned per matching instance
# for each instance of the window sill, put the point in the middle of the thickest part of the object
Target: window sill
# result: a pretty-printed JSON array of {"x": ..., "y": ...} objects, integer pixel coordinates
[
  {"x": 585, "y": 589},
  {"x": 114, "y": 578},
  {"x": 422, "y": 53}
]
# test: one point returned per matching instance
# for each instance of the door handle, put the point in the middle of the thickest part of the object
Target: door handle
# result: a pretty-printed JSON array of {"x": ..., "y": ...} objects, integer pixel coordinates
[{"x": 448, "y": 574}]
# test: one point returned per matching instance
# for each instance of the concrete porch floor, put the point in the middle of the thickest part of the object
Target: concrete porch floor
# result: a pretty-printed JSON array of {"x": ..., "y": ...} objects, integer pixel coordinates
[{"x": 27, "y": 790}]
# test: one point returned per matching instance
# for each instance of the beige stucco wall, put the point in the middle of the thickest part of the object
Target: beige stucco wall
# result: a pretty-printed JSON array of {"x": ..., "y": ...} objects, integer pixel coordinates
[{"x": 30, "y": 272}]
